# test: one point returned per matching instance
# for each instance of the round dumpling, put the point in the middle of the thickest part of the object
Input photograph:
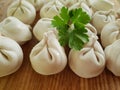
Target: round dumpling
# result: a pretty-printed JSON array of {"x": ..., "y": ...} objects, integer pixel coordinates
[
  {"x": 51, "y": 9},
  {"x": 11, "y": 56},
  {"x": 82, "y": 5},
  {"x": 112, "y": 53},
  {"x": 68, "y": 3},
  {"x": 37, "y": 3},
  {"x": 102, "y": 5},
  {"x": 110, "y": 33},
  {"x": 88, "y": 62},
  {"x": 101, "y": 18},
  {"x": 48, "y": 57},
  {"x": 91, "y": 29},
  {"x": 13, "y": 28},
  {"x": 23, "y": 10},
  {"x": 43, "y": 25}
]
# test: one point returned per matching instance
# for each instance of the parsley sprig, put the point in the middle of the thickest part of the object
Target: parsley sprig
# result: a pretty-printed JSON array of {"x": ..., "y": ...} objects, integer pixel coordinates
[{"x": 71, "y": 27}]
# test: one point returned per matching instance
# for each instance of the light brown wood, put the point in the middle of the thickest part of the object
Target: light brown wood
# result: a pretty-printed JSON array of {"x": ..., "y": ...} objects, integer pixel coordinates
[{"x": 27, "y": 79}]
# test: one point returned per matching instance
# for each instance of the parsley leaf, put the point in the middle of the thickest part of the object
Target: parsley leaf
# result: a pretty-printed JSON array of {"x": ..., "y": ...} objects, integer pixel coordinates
[{"x": 71, "y": 27}]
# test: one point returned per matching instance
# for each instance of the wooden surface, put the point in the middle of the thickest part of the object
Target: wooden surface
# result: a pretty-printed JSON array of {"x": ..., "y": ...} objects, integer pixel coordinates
[{"x": 27, "y": 79}]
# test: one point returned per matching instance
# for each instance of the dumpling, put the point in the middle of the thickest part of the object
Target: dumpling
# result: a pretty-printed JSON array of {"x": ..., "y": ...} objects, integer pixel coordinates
[
  {"x": 91, "y": 29},
  {"x": 88, "y": 62},
  {"x": 112, "y": 53},
  {"x": 101, "y": 18},
  {"x": 37, "y": 3},
  {"x": 23, "y": 10},
  {"x": 13, "y": 28},
  {"x": 110, "y": 33},
  {"x": 68, "y": 3},
  {"x": 48, "y": 57},
  {"x": 11, "y": 56},
  {"x": 51, "y": 9},
  {"x": 102, "y": 5},
  {"x": 82, "y": 5},
  {"x": 42, "y": 26}
]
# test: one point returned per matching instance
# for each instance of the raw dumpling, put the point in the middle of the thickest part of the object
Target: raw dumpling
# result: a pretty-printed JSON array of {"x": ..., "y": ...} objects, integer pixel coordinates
[
  {"x": 102, "y": 5},
  {"x": 42, "y": 26},
  {"x": 88, "y": 62},
  {"x": 51, "y": 9},
  {"x": 13, "y": 28},
  {"x": 112, "y": 53},
  {"x": 110, "y": 33},
  {"x": 101, "y": 18},
  {"x": 48, "y": 57},
  {"x": 82, "y": 5},
  {"x": 68, "y": 3},
  {"x": 37, "y": 3},
  {"x": 23, "y": 10},
  {"x": 91, "y": 29},
  {"x": 11, "y": 56}
]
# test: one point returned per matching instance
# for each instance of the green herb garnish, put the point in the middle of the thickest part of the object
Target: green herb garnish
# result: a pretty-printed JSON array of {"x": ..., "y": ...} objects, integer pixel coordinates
[{"x": 71, "y": 27}]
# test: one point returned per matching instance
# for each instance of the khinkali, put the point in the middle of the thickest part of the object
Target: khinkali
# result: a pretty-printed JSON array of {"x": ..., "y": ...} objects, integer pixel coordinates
[
  {"x": 88, "y": 62},
  {"x": 68, "y": 3},
  {"x": 51, "y": 9},
  {"x": 102, "y": 5},
  {"x": 48, "y": 57},
  {"x": 37, "y": 3},
  {"x": 23, "y": 10},
  {"x": 11, "y": 56},
  {"x": 112, "y": 53},
  {"x": 42, "y": 26},
  {"x": 110, "y": 33},
  {"x": 91, "y": 29},
  {"x": 101, "y": 18},
  {"x": 82, "y": 5},
  {"x": 13, "y": 28}
]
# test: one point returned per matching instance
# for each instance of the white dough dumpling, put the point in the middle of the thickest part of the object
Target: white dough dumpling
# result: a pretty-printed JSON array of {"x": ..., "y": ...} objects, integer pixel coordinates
[
  {"x": 88, "y": 62},
  {"x": 110, "y": 33},
  {"x": 82, "y": 5},
  {"x": 23, "y": 10},
  {"x": 102, "y": 5},
  {"x": 68, "y": 3},
  {"x": 51, "y": 9},
  {"x": 112, "y": 53},
  {"x": 11, "y": 56},
  {"x": 37, "y": 3},
  {"x": 43, "y": 25},
  {"x": 48, "y": 56},
  {"x": 101, "y": 18},
  {"x": 15, "y": 29}
]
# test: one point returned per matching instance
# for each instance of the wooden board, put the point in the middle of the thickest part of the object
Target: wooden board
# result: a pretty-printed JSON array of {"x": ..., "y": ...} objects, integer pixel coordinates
[{"x": 27, "y": 79}]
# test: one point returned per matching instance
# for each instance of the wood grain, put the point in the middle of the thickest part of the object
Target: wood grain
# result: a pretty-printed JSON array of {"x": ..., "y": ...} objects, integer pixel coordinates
[{"x": 27, "y": 79}]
